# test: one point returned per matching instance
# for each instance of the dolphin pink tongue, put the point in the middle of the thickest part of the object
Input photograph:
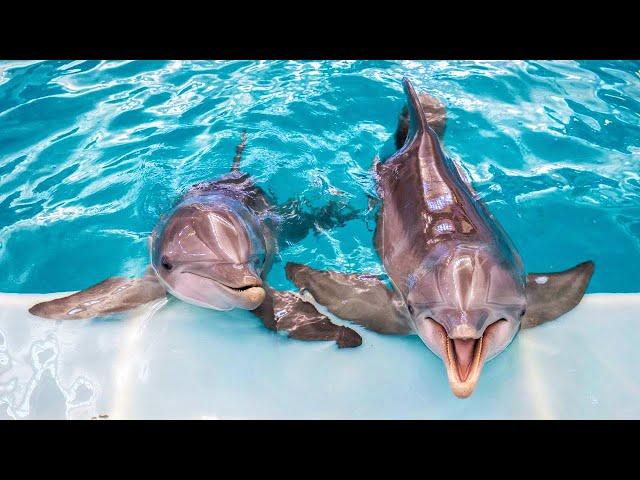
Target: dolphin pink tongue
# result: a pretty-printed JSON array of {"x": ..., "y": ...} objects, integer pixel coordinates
[{"x": 464, "y": 355}]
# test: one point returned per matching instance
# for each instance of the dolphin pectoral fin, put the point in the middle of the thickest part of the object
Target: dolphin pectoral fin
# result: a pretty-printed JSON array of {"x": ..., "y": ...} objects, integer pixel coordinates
[
  {"x": 362, "y": 299},
  {"x": 436, "y": 118},
  {"x": 550, "y": 295},
  {"x": 113, "y": 295},
  {"x": 286, "y": 312}
]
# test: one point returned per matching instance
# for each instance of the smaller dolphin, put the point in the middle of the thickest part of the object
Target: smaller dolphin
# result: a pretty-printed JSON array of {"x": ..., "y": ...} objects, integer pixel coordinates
[
  {"x": 455, "y": 277},
  {"x": 214, "y": 249}
]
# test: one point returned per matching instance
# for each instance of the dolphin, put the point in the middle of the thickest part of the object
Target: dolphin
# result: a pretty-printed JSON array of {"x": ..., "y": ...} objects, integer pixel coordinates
[
  {"x": 214, "y": 249},
  {"x": 454, "y": 276}
]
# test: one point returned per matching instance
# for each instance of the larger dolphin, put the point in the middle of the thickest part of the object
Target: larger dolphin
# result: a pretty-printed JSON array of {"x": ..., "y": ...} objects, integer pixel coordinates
[
  {"x": 456, "y": 279},
  {"x": 214, "y": 249}
]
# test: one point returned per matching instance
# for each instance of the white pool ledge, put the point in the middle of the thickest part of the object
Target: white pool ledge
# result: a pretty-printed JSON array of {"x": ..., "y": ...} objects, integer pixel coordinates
[{"x": 185, "y": 362}]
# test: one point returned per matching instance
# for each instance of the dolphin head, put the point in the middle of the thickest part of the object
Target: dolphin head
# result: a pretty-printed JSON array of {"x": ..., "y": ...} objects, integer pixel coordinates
[
  {"x": 209, "y": 252},
  {"x": 466, "y": 302}
]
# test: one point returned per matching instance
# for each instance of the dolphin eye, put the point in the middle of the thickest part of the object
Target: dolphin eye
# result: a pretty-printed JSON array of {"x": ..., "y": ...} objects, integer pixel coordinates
[
  {"x": 410, "y": 308},
  {"x": 165, "y": 263},
  {"x": 524, "y": 310}
]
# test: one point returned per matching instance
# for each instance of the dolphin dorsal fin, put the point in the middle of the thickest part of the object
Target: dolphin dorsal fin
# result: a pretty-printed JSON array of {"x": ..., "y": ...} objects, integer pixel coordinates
[{"x": 417, "y": 119}]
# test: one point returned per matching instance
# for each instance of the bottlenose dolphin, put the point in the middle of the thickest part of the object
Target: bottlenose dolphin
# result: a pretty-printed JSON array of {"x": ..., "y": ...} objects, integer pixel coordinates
[
  {"x": 456, "y": 279},
  {"x": 214, "y": 249}
]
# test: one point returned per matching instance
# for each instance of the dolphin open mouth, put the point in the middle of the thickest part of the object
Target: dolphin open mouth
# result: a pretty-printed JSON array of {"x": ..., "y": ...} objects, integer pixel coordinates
[{"x": 464, "y": 359}]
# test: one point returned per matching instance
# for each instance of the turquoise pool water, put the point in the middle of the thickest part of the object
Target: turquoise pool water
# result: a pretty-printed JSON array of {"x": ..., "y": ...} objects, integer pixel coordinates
[{"x": 91, "y": 153}]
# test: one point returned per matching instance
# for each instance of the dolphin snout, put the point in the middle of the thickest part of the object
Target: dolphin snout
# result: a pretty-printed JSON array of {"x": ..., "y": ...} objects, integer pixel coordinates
[
  {"x": 464, "y": 331},
  {"x": 463, "y": 324}
]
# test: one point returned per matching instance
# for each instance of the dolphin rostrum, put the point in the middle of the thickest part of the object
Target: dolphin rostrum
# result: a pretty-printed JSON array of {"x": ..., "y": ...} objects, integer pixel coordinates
[
  {"x": 214, "y": 250},
  {"x": 456, "y": 279}
]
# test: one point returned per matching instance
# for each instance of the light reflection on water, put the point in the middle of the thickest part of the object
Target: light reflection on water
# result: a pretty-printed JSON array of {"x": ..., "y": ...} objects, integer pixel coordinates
[{"x": 92, "y": 152}]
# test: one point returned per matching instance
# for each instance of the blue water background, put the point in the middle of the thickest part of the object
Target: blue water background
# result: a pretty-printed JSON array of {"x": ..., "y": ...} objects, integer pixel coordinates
[{"x": 91, "y": 153}]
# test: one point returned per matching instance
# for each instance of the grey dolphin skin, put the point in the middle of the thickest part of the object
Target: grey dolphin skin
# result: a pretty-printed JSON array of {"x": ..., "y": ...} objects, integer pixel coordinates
[
  {"x": 455, "y": 277},
  {"x": 214, "y": 250}
]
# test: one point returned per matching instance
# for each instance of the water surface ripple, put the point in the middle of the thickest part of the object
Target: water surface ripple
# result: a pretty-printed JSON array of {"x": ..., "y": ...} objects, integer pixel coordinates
[{"x": 92, "y": 152}]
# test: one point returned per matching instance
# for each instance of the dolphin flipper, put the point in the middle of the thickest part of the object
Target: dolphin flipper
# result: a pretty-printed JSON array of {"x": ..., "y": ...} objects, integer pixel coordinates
[
  {"x": 436, "y": 118},
  {"x": 363, "y": 299},
  {"x": 113, "y": 295},
  {"x": 286, "y": 312},
  {"x": 550, "y": 295}
]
